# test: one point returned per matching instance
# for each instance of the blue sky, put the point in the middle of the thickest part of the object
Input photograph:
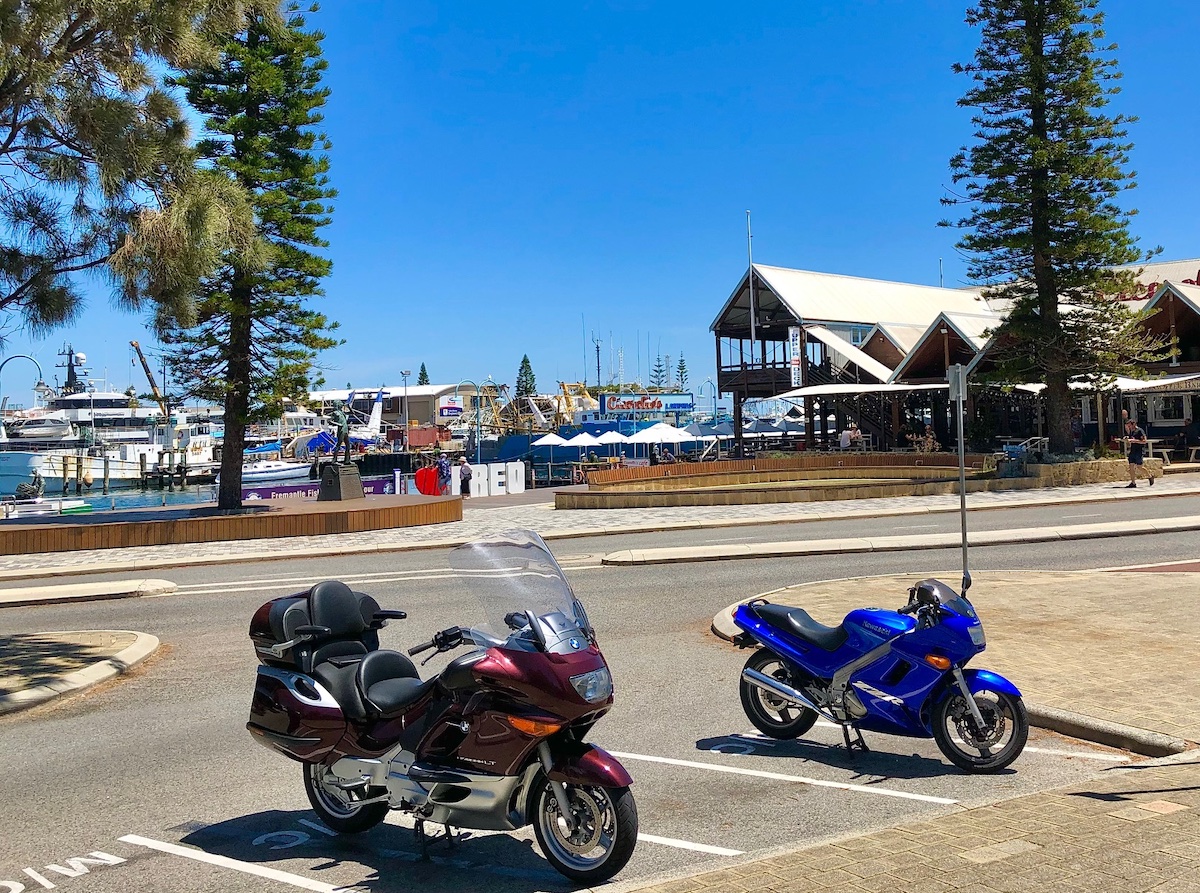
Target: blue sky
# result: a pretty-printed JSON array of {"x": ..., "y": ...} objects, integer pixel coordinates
[{"x": 505, "y": 168}]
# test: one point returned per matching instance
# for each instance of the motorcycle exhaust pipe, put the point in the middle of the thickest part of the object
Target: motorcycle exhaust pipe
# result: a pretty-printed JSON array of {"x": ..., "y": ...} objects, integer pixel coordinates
[{"x": 782, "y": 690}]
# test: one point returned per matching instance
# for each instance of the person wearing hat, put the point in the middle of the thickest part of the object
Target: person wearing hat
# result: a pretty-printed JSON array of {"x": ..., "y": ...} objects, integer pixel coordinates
[{"x": 465, "y": 473}]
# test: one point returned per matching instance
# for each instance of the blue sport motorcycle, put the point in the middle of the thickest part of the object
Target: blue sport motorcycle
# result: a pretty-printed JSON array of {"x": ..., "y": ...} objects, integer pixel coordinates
[{"x": 894, "y": 672}]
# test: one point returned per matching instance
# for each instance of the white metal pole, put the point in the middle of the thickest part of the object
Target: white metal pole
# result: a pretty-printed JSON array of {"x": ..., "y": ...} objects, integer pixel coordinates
[{"x": 750, "y": 259}]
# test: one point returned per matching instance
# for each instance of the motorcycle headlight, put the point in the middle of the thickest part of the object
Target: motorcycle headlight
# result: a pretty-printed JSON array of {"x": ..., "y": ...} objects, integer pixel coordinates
[{"x": 595, "y": 686}]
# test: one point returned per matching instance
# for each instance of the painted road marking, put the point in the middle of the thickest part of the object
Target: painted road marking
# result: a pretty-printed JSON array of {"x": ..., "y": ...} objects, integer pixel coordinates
[
  {"x": 777, "y": 776},
  {"x": 1089, "y": 515},
  {"x": 1083, "y": 755},
  {"x": 262, "y": 871},
  {"x": 687, "y": 845},
  {"x": 231, "y": 588},
  {"x": 917, "y": 527}
]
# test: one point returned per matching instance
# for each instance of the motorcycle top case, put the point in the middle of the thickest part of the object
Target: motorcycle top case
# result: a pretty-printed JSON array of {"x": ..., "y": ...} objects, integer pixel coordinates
[{"x": 275, "y": 623}]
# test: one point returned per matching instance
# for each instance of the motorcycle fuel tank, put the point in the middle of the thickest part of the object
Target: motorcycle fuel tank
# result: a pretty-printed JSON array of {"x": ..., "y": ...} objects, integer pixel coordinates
[{"x": 870, "y": 627}]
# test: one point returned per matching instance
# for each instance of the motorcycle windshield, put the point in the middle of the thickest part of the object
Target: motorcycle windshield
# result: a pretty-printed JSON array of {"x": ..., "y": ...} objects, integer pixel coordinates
[{"x": 526, "y": 599}]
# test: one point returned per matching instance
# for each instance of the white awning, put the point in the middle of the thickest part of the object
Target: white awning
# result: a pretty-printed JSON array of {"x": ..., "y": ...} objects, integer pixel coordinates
[
  {"x": 867, "y": 364},
  {"x": 831, "y": 390}
]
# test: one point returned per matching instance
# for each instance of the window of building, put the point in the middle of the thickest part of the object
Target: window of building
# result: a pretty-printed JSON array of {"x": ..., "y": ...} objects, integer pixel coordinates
[{"x": 1166, "y": 409}]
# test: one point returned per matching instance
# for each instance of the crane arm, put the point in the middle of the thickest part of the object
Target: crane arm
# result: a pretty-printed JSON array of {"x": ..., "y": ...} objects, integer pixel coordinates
[{"x": 158, "y": 397}]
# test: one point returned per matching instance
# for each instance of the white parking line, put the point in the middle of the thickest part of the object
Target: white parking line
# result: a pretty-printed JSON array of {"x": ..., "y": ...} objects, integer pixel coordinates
[
  {"x": 262, "y": 871},
  {"x": 688, "y": 845},
  {"x": 800, "y": 779},
  {"x": 1083, "y": 755}
]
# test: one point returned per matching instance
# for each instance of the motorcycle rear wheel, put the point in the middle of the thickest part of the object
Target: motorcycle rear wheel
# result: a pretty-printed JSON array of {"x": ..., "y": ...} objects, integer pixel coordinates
[
  {"x": 772, "y": 715},
  {"x": 335, "y": 807},
  {"x": 604, "y": 835},
  {"x": 990, "y": 749}
]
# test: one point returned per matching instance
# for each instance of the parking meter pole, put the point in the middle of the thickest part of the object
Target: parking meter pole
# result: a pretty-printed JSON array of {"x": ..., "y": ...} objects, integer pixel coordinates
[{"x": 957, "y": 376}]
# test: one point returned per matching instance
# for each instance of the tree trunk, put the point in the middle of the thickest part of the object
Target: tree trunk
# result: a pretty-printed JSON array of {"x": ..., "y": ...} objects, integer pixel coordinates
[
  {"x": 237, "y": 398},
  {"x": 1059, "y": 403}
]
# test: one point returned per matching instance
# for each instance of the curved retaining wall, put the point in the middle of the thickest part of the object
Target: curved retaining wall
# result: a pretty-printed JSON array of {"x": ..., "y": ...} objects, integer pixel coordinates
[{"x": 147, "y": 527}]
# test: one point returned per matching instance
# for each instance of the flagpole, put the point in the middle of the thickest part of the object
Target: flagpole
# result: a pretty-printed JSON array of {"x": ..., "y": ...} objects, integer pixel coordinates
[{"x": 750, "y": 259}]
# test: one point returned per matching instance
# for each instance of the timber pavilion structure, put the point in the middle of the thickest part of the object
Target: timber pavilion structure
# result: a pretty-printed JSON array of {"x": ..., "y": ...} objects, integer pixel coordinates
[{"x": 877, "y": 353}]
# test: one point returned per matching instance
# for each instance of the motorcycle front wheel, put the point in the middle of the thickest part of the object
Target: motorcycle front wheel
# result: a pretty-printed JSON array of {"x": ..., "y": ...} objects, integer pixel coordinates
[
  {"x": 597, "y": 840},
  {"x": 990, "y": 749},
  {"x": 336, "y": 808},
  {"x": 771, "y": 714}
]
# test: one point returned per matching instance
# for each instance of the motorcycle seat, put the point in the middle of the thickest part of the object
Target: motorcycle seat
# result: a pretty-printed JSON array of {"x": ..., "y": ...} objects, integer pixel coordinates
[
  {"x": 797, "y": 622},
  {"x": 388, "y": 683}
]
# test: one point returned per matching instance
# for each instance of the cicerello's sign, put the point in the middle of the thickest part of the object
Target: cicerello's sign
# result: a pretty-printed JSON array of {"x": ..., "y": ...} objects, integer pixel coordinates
[{"x": 646, "y": 403}]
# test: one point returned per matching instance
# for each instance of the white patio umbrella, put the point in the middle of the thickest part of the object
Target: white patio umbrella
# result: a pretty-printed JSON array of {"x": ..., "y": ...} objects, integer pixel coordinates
[
  {"x": 583, "y": 440},
  {"x": 611, "y": 439},
  {"x": 551, "y": 440}
]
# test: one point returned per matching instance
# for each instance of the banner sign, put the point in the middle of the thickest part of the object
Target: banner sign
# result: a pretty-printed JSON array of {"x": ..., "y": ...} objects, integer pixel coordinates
[
  {"x": 635, "y": 403},
  {"x": 795, "y": 340},
  {"x": 450, "y": 407}
]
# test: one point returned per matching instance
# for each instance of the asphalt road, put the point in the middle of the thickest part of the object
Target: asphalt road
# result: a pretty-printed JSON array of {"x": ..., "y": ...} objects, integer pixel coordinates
[{"x": 163, "y": 753}]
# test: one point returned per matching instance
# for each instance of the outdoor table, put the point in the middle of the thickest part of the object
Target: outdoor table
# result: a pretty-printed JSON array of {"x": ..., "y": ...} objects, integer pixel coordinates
[{"x": 1164, "y": 454}]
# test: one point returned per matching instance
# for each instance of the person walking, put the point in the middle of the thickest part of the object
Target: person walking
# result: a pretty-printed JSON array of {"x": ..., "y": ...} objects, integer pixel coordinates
[
  {"x": 1136, "y": 438},
  {"x": 443, "y": 473},
  {"x": 465, "y": 473}
]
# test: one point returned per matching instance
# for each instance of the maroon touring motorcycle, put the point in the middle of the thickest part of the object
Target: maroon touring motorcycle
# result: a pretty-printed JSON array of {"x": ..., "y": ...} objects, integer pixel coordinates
[{"x": 493, "y": 742}]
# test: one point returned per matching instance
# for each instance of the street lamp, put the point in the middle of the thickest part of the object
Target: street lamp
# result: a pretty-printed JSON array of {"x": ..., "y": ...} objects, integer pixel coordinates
[
  {"x": 405, "y": 373},
  {"x": 709, "y": 382},
  {"x": 478, "y": 417}
]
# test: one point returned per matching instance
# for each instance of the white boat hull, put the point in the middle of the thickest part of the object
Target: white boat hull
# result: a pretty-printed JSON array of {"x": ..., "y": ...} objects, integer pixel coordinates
[{"x": 270, "y": 470}]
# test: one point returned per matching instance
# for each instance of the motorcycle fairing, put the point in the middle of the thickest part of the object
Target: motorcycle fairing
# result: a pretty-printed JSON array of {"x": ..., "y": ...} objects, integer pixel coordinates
[
  {"x": 986, "y": 680},
  {"x": 586, "y": 764}
]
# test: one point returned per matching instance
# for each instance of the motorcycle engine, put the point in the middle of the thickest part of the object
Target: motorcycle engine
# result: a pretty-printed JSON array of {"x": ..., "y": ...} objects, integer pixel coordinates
[{"x": 852, "y": 705}]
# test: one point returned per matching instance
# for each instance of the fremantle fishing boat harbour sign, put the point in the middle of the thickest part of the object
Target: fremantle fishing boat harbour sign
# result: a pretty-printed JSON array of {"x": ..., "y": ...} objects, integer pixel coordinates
[{"x": 632, "y": 404}]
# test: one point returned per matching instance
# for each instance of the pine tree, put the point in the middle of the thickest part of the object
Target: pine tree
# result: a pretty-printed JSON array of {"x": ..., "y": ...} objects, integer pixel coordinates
[
  {"x": 422, "y": 376},
  {"x": 681, "y": 373},
  {"x": 95, "y": 160},
  {"x": 658, "y": 375},
  {"x": 1041, "y": 183},
  {"x": 255, "y": 340},
  {"x": 526, "y": 383}
]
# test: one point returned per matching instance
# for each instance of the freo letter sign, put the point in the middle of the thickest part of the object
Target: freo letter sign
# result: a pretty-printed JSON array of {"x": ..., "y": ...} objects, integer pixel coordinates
[
  {"x": 646, "y": 403},
  {"x": 450, "y": 407}
]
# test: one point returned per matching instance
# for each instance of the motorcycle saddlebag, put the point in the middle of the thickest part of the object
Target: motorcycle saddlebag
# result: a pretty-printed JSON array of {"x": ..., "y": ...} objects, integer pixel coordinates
[{"x": 295, "y": 715}]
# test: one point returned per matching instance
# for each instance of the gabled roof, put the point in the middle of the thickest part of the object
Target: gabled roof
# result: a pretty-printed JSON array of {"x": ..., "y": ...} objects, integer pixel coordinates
[
  {"x": 1161, "y": 271},
  {"x": 969, "y": 327},
  {"x": 903, "y": 335},
  {"x": 1189, "y": 294},
  {"x": 830, "y": 297}
]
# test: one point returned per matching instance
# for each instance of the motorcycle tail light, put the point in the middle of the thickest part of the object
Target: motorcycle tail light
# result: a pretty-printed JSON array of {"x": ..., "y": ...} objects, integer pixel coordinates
[
  {"x": 937, "y": 661},
  {"x": 535, "y": 728}
]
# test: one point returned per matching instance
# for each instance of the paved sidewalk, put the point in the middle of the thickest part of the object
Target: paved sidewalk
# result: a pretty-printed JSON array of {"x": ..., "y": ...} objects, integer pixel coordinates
[
  {"x": 1113, "y": 646},
  {"x": 37, "y": 667},
  {"x": 1134, "y": 830},
  {"x": 558, "y": 524}
]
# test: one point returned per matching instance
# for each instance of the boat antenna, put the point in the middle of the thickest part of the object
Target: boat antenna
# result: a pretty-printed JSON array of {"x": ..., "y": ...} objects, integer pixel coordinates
[{"x": 597, "y": 342}]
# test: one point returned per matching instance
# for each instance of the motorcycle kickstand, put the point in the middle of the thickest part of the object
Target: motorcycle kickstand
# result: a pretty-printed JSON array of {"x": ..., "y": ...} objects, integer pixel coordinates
[
  {"x": 422, "y": 838},
  {"x": 857, "y": 744}
]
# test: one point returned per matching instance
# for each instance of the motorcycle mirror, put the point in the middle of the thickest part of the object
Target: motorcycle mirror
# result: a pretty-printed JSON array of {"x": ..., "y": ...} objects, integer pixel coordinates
[{"x": 966, "y": 583}]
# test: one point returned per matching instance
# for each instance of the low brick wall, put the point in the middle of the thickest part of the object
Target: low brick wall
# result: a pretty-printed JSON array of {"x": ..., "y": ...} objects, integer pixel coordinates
[
  {"x": 150, "y": 527},
  {"x": 800, "y": 462},
  {"x": 1099, "y": 471},
  {"x": 1066, "y": 475},
  {"x": 734, "y": 479}
]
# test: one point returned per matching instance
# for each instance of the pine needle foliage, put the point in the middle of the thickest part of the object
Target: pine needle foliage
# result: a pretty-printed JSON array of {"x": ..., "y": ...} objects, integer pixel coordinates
[
  {"x": 422, "y": 376},
  {"x": 1040, "y": 184},
  {"x": 681, "y": 372},
  {"x": 526, "y": 383},
  {"x": 256, "y": 340},
  {"x": 97, "y": 174}
]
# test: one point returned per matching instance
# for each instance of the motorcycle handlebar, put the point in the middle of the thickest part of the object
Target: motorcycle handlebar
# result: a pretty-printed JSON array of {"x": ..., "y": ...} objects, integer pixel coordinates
[
  {"x": 909, "y": 609},
  {"x": 414, "y": 651}
]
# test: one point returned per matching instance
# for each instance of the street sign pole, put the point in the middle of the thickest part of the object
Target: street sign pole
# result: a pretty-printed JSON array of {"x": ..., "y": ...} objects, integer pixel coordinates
[{"x": 957, "y": 376}]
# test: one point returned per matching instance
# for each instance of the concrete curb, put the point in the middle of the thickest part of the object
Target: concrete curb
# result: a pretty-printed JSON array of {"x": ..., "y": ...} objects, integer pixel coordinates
[
  {"x": 629, "y": 557},
  {"x": 121, "y": 662},
  {"x": 1075, "y": 725},
  {"x": 83, "y": 592},
  {"x": 144, "y": 563},
  {"x": 1099, "y": 731}
]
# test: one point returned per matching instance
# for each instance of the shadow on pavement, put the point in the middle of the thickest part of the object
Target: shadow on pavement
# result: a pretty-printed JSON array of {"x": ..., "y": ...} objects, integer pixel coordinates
[
  {"x": 273, "y": 836},
  {"x": 33, "y": 659},
  {"x": 875, "y": 764}
]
